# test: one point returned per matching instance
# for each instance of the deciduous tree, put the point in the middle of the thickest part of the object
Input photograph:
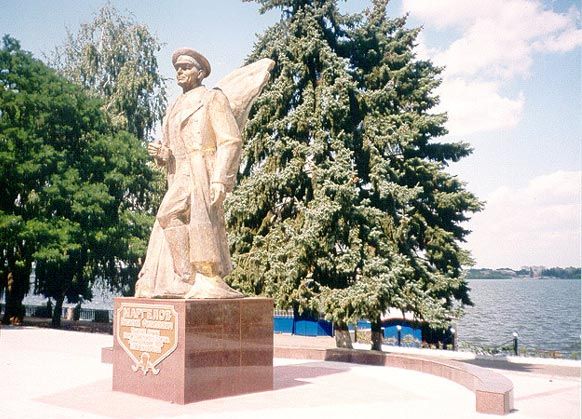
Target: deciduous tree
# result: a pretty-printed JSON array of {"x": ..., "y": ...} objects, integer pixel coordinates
[
  {"x": 115, "y": 57},
  {"x": 76, "y": 193}
]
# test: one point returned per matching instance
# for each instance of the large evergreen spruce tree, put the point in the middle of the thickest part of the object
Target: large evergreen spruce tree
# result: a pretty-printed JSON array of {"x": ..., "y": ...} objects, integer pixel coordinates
[
  {"x": 405, "y": 163},
  {"x": 343, "y": 205}
]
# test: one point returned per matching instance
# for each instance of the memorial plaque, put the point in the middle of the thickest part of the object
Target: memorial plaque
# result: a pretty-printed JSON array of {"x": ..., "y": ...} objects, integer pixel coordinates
[{"x": 148, "y": 333}]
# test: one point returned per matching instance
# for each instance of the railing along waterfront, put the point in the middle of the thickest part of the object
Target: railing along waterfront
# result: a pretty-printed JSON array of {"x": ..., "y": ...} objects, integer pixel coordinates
[
  {"x": 68, "y": 313},
  {"x": 509, "y": 347}
]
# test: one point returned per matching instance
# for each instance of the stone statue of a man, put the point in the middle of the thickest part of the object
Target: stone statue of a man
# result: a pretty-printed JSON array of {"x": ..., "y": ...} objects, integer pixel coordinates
[{"x": 200, "y": 149}]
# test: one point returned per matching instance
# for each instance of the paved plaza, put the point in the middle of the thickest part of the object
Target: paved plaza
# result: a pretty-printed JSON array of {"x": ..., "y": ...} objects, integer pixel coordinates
[{"x": 50, "y": 373}]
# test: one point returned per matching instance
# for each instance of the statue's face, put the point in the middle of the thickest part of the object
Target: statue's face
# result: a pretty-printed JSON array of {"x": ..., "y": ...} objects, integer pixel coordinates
[{"x": 188, "y": 76}]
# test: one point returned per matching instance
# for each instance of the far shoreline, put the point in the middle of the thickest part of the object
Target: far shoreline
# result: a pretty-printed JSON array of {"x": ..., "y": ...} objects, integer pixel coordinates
[{"x": 523, "y": 278}]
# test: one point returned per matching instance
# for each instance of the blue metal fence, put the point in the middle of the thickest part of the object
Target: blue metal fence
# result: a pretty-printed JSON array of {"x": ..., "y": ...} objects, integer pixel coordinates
[
  {"x": 283, "y": 322},
  {"x": 304, "y": 325}
]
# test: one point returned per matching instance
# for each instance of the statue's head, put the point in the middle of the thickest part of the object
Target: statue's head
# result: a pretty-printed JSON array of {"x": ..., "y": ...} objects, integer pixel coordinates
[{"x": 191, "y": 68}]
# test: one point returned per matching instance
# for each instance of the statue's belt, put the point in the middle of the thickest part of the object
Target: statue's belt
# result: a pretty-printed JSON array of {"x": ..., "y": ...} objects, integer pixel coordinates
[
  {"x": 195, "y": 150},
  {"x": 202, "y": 150}
]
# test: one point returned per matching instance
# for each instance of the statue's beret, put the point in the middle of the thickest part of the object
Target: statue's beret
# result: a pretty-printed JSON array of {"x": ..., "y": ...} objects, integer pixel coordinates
[{"x": 200, "y": 59}]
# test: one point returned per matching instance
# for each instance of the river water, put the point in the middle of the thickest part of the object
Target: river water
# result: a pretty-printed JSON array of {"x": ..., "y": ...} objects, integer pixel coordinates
[{"x": 544, "y": 312}]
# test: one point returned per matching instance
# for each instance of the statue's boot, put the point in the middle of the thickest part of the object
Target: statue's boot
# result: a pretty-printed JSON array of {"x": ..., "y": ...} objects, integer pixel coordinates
[
  {"x": 211, "y": 287},
  {"x": 175, "y": 289},
  {"x": 178, "y": 239},
  {"x": 143, "y": 292}
]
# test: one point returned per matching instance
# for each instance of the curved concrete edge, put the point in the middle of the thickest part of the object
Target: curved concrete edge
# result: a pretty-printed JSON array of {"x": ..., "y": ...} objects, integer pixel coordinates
[{"x": 493, "y": 391}]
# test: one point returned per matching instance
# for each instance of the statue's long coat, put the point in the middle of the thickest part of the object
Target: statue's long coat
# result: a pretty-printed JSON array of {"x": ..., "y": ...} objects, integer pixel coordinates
[
  {"x": 206, "y": 121},
  {"x": 205, "y": 143}
]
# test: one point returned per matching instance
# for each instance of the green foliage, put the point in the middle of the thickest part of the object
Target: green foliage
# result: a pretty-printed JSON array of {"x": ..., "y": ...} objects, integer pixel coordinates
[
  {"x": 76, "y": 194},
  {"x": 115, "y": 58},
  {"x": 343, "y": 204},
  {"x": 290, "y": 7},
  {"x": 562, "y": 273},
  {"x": 490, "y": 274}
]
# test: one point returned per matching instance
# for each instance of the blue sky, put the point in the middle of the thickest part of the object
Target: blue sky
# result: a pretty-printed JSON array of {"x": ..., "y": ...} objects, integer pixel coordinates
[{"x": 511, "y": 87}]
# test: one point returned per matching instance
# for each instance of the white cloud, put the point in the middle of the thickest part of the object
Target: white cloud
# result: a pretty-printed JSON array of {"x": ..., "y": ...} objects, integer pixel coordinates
[
  {"x": 477, "y": 106},
  {"x": 422, "y": 51},
  {"x": 503, "y": 41},
  {"x": 498, "y": 42},
  {"x": 446, "y": 13},
  {"x": 508, "y": 29},
  {"x": 562, "y": 42},
  {"x": 535, "y": 225},
  {"x": 556, "y": 188}
]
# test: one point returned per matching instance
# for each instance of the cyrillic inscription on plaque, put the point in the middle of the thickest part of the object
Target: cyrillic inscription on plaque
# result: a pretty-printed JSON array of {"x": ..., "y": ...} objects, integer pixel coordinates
[{"x": 148, "y": 333}]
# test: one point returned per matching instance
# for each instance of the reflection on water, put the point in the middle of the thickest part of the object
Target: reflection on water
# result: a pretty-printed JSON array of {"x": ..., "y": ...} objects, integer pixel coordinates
[{"x": 545, "y": 313}]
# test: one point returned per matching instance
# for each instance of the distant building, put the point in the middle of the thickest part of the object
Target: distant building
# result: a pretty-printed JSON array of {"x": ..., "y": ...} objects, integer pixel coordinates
[{"x": 536, "y": 271}]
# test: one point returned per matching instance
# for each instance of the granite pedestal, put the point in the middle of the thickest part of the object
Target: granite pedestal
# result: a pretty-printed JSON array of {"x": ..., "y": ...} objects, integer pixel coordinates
[{"x": 184, "y": 351}]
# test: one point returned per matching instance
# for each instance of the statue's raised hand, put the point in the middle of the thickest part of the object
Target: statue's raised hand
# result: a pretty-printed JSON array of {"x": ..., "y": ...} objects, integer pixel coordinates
[{"x": 154, "y": 148}]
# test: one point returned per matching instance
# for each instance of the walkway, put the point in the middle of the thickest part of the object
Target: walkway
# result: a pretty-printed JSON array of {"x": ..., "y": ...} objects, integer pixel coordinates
[{"x": 58, "y": 374}]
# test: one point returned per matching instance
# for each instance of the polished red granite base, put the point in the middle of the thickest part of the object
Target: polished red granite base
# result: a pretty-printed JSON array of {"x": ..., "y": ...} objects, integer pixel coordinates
[{"x": 224, "y": 348}]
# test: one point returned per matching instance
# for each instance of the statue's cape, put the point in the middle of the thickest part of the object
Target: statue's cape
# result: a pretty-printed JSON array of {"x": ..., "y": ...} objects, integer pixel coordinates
[{"x": 244, "y": 85}]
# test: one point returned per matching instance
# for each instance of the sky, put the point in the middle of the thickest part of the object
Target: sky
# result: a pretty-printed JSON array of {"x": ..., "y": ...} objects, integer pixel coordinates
[{"x": 511, "y": 86}]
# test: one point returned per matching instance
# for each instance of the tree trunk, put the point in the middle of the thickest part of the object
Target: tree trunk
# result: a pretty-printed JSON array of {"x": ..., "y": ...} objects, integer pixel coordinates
[
  {"x": 342, "y": 336},
  {"x": 58, "y": 311},
  {"x": 376, "y": 335},
  {"x": 16, "y": 289},
  {"x": 2, "y": 288}
]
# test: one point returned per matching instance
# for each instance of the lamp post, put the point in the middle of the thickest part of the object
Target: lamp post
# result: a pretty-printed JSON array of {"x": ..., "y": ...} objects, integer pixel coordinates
[
  {"x": 399, "y": 331},
  {"x": 515, "y": 336},
  {"x": 454, "y": 336}
]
